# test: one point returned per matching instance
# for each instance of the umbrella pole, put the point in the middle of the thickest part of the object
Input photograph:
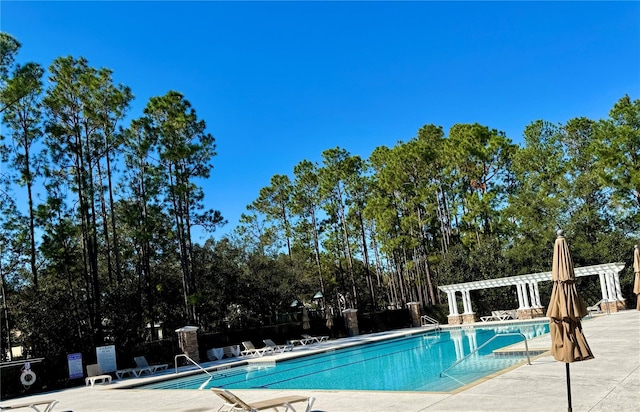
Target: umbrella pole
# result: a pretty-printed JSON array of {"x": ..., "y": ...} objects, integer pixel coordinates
[{"x": 568, "y": 387}]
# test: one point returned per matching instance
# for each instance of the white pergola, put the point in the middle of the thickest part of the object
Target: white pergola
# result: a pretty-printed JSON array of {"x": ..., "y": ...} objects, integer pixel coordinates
[{"x": 527, "y": 287}]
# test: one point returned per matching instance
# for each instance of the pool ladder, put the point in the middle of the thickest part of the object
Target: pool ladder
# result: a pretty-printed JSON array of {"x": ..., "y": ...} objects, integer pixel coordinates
[
  {"x": 182, "y": 355},
  {"x": 526, "y": 346},
  {"x": 428, "y": 320}
]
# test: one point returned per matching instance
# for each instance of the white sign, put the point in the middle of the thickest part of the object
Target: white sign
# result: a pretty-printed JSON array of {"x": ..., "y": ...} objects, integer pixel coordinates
[
  {"x": 106, "y": 358},
  {"x": 75, "y": 365}
]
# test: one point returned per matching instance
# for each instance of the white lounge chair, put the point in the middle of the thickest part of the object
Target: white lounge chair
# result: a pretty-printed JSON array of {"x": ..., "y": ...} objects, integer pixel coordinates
[
  {"x": 498, "y": 315},
  {"x": 143, "y": 366},
  {"x": 277, "y": 348},
  {"x": 304, "y": 341},
  {"x": 95, "y": 375},
  {"x": 35, "y": 405},
  {"x": 316, "y": 339},
  {"x": 214, "y": 354},
  {"x": 250, "y": 350},
  {"x": 233, "y": 403},
  {"x": 596, "y": 308},
  {"x": 122, "y": 373},
  {"x": 232, "y": 351}
]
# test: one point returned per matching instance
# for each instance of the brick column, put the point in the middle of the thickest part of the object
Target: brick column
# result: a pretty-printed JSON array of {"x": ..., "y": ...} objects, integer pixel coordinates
[
  {"x": 414, "y": 309},
  {"x": 351, "y": 321},
  {"x": 188, "y": 342}
]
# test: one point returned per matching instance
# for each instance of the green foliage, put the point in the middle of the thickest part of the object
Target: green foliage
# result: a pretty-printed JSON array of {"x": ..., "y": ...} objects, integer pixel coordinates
[{"x": 114, "y": 253}]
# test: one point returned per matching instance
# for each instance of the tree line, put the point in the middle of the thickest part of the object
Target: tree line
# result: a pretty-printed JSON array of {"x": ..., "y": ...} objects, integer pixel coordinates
[{"x": 100, "y": 249}]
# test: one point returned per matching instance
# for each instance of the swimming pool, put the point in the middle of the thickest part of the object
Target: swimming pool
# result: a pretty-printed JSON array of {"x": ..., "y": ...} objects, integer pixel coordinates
[{"x": 411, "y": 363}]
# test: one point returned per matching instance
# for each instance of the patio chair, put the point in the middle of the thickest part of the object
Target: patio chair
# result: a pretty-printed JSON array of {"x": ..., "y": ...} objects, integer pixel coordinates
[
  {"x": 214, "y": 354},
  {"x": 235, "y": 404},
  {"x": 277, "y": 348},
  {"x": 316, "y": 339},
  {"x": 122, "y": 373},
  {"x": 498, "y": 315},
  {"x": 250, "y": 350},
  {"x": 143, "y": 366},
  {"x": 231, "y": 351},
  {"x": 35, "y": 405},
  {"x": 596, "y": 308},
  {"x": 304, "y": 341},
  {"x": 94, "y": 375}
]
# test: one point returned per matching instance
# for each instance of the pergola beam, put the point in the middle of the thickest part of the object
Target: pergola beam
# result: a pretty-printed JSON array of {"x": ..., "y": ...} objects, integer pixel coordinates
[{"x": 532, "y": 277}]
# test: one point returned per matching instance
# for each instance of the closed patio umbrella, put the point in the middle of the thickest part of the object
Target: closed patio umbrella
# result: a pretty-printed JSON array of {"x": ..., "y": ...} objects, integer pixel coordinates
[
  {"x": 566, "y": 308},
  {"x": 636, "y": 270},
  {"x": 329, "y": 317}
]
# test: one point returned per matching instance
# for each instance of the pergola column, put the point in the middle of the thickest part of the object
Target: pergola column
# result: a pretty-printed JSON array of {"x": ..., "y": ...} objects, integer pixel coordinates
[
  {"x": 616, "y": 282},
  {"x": 615, "y": 301},
  {"x": 469, "y": 315},
  {"x": 536, "y": 306},
  {"x": 520, "y": 301},
  {"x": 523, "y": 299},
  {"x": 453, "y": 303},
  {"x": 454, "y": 317},
  {"x": 528, "y": 294},
  {"x": 532, "y": 295},
  {"x": 536, "y": 293},
  {"x": 466, "y": 302},
  {"x": 610, "y": 287},
  {"x": 603, "y": 287}
]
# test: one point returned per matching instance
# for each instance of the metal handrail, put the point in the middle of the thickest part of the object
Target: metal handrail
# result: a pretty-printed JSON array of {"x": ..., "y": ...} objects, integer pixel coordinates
[
  {"x": 429, "y": 319},
  {"x": 182, "y": 355},
  {"x": 20, "y": 362},
  {"x": 526, "y": 346}
]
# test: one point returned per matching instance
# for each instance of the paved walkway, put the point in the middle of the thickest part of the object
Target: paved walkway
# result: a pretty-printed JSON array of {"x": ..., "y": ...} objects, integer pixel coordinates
[{"x": 610, "y": 382}]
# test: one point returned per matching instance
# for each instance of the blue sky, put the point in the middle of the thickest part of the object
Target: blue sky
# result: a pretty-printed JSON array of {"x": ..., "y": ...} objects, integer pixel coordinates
[{"x": 280, "y": 82}]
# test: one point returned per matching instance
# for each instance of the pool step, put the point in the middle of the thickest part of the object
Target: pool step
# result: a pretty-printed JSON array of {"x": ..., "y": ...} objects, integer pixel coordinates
[{"x": 520, "y": 352}]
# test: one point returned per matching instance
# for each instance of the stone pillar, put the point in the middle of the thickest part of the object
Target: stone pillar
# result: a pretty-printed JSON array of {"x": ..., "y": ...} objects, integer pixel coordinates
[
  {"x": 188, "y": 342},
  {"x": 414, "y": 309},
  {"x": 454, "y": 319},
  {"x": 351, "y": 321},
  {"x": 469, "y": 318}
]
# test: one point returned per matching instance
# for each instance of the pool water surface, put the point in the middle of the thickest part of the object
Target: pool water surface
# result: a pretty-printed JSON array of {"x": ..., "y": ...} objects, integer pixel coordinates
[{"x": 412, "y": 363}]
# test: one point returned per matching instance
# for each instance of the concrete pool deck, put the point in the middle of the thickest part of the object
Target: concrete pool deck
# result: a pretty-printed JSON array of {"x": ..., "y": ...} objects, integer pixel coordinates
[{"x": 610, "y": 382}]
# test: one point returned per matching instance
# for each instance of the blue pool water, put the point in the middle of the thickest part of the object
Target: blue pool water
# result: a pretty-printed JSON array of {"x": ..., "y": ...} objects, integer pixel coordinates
[{"x": 412, "y": 363}]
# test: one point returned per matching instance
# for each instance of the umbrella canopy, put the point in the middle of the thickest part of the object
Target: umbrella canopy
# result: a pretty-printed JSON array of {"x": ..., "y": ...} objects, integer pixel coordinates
[
  {"x": 566, "y": 308},
  {"x": 636, "y": 269},
  {"x": 305, "y": 319}
]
